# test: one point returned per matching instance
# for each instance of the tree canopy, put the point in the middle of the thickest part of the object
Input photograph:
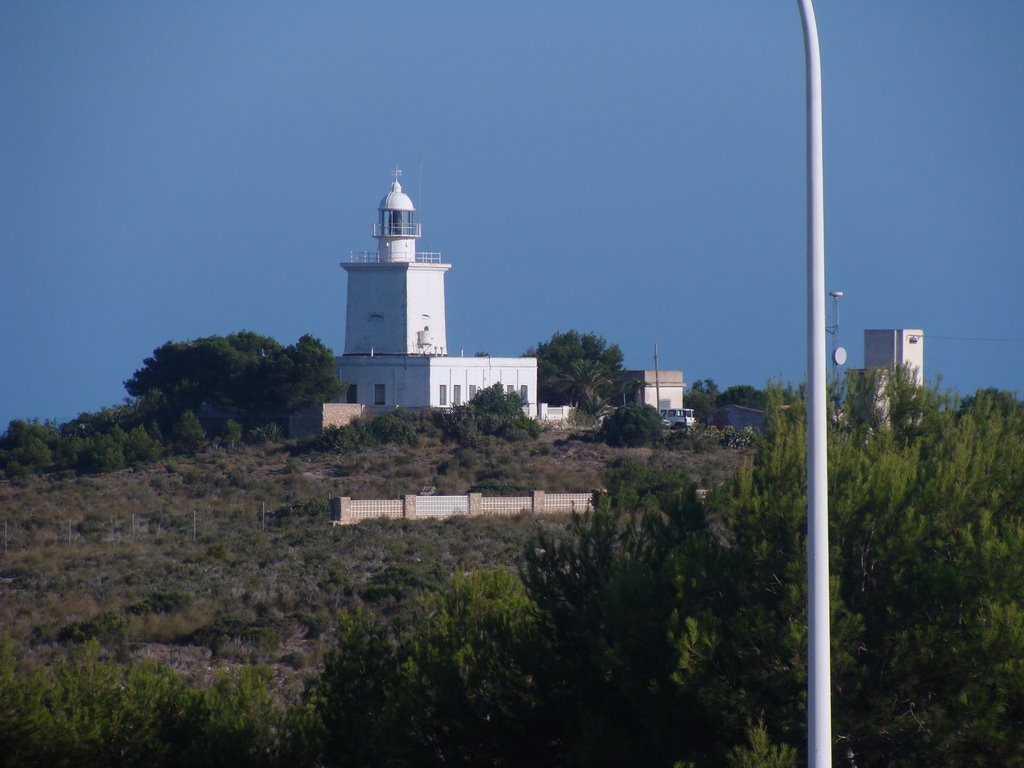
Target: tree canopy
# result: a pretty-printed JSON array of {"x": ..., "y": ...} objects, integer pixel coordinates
[
  {"x": 252, "y": 375},
  {"x": 243, "y": 372},
  {"x": 577, "y": 369},
  {"x": 742, "y": 394}
]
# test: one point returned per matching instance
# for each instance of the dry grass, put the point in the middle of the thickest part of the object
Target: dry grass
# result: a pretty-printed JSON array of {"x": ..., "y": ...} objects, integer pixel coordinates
[{"x": 182, "y": 549}]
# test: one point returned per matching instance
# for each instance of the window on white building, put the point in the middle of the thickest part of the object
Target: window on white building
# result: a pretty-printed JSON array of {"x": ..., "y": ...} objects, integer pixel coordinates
[
  {"x": 444, "y": 394},
  {"x": 378, "y": 394},
  {"x": 350, "y": 394},
  {"x": 510, "y": 388},
  {"x": 456, "y": 394},
  {"x": 472, "y": 391},
  {"x": 524, "y": 393}
]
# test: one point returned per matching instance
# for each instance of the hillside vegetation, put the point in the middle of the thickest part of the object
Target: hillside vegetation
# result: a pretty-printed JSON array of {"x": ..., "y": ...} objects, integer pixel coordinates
[
  {"x": 227, "y": 556},
  {"x": 666, "y": 628}
]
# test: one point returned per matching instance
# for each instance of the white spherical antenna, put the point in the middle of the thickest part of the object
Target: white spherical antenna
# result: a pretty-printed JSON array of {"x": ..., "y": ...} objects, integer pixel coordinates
[{"x": 839, "y": 356}]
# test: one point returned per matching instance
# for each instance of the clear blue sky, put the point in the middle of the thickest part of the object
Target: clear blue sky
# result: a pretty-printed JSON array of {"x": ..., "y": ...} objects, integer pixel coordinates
[{"x": 177, "y": 170}]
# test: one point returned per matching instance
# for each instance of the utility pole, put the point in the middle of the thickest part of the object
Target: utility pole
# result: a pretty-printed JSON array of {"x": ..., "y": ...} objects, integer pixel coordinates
[{"x": 657, "y": 383}]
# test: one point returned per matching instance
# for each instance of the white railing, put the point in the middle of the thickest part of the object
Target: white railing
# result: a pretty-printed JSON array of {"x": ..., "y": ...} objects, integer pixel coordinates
[{"x": 372, "y": 257}]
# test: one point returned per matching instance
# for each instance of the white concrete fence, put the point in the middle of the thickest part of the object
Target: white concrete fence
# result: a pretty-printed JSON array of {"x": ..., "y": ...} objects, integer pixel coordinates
[{"x": 345, "y": 511}]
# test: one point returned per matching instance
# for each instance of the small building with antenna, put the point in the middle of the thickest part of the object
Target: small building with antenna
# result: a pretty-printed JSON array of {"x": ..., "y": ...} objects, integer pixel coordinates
[
  {"x": 896, "y": 347},
  {"x": 396, "y": 334}
]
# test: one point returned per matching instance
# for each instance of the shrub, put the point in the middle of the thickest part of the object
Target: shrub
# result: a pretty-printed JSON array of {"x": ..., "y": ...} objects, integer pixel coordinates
[
  {"x": 305, "y": 509},
  {"x": 140, "y": 448},
  {"x": 492, "y": 412},
  {"x": 231, "y": 436},
  {"x": 110, "y": 628},
  {"x": 395, "y": 428},
  {"x": 26, "y": 446},
  {"x": 188, "y": 432},
  {"x": 266, "y": 433},
  {"x": 632, "y": 426},
  {"x": 102, "y": 453}
]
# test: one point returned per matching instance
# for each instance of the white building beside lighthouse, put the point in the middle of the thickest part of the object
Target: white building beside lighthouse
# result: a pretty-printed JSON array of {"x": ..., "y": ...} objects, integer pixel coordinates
[{"x": 396, "y": 335}]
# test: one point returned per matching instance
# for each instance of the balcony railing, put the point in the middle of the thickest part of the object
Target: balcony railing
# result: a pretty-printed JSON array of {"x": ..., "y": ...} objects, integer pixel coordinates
[{"x": 372, "y": 257}]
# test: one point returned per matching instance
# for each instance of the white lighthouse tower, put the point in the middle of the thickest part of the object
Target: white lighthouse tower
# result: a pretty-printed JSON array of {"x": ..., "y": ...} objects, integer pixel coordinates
[
  {"x": 396, "y": 340},
  {"x": 395, "y": 295}
]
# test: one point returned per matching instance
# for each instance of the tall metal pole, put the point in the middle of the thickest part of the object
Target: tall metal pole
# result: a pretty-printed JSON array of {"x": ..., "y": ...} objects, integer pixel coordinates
[
  {"x": 819, "y": 703},
  {"x": 657, "y": 382}
]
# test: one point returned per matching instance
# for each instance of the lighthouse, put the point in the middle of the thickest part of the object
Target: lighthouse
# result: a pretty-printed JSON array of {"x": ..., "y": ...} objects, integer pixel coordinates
[
  {"x": 395, "y": 294},
  {"x": 396, "y": 336}
]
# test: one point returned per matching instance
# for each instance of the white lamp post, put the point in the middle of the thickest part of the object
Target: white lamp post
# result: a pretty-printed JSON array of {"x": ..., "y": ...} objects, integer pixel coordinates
[{"x": 819, "y": 703}]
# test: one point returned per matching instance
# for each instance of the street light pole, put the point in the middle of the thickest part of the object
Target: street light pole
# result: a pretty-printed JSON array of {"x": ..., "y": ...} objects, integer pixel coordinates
[{"x": 819, "y": 703}]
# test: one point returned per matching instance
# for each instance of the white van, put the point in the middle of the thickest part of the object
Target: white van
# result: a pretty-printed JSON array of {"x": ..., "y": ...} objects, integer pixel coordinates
[{"x": 678, "y": 417}]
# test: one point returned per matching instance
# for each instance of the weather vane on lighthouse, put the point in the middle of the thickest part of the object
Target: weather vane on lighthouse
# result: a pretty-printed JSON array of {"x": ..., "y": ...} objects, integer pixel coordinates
[{"x": 397, "y": 172}]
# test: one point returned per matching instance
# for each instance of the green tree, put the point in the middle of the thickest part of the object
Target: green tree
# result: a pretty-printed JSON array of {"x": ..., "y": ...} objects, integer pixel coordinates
[
  {"x": 26, "y": 447},
  {"x": 140, "y": 448},
  {"x": 590, "y": 385},
  {"x": 102, "y": 452},
  {"x": 305, "y": 375},
  {"x": 357, "y": 694},
  {"x": 1003, "y": 401},
  {"x": 632, "y": 426},
  {"x": 760, "y": 752},
  {"x": 575, "y": 368},
  {"x": 496, "y": 411},
  {"x": 742, "y": 394},
  {"x": 187, "y": 433},
  {"x": 493, "y": 412},
  {"x": 472, "y": 699},
  {"x": 701, "y": 398},
  {"x": 251, "y": 374}
]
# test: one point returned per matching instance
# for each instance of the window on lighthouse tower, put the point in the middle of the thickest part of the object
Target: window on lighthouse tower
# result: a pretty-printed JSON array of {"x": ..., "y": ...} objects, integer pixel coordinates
[{"x": 396, "y": 223}]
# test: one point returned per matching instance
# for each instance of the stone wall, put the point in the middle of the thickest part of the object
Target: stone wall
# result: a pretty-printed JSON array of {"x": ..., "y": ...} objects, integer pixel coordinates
[
  {"x": 345, "y": 511},
  {"x": 314, "y": 420}
]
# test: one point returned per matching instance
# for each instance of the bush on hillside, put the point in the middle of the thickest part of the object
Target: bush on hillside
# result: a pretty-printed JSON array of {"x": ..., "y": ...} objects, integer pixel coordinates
[{"x": 632, "y": 426}]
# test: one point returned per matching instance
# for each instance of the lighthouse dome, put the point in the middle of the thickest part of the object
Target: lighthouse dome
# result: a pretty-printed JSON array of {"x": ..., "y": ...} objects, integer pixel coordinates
[{"x": 396, "y": 200}]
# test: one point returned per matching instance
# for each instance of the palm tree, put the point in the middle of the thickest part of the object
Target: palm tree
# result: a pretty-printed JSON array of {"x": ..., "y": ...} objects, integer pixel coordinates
[{"x": 588, "y": 385}]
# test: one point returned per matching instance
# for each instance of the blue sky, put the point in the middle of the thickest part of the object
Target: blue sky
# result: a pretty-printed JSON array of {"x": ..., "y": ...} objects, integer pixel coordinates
[{"x": 177, "y": 170}]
